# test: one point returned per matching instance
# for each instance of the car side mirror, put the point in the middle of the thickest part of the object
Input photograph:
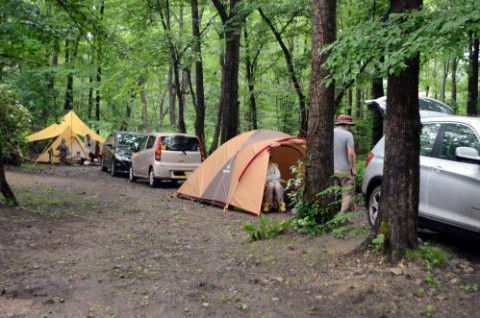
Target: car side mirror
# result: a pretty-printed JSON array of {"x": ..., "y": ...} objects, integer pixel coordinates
[{"x": 467, "y": 153}]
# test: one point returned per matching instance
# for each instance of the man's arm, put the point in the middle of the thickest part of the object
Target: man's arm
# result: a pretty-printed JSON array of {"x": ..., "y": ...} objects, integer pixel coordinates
[{"x": 351, "y": 160}]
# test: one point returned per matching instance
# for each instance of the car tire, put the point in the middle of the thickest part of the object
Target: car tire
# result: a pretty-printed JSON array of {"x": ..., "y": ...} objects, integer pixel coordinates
[
  {"x": 103, "y": 166},
  {"x": 373, "y": 205},
  {"x": 152, "y": 181},
  {"x": 131, "y": 174},
  {"x": 113, "y": 172}
]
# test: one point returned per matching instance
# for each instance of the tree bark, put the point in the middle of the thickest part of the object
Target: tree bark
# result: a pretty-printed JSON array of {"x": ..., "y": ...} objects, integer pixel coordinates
[
  {"x": 472, "y": 102},
  {"x": 400, "y": 186},
  {"x": 99, "y": 68},
  {"x": 291, "y": 71},
  {"x": 229, "y": 99},
  {"x": 172, "y": 89},
  {"x": 250, "y": 76},
  {"x": 218, "y": 121},
  {"x": 322, "y": 104},
  {"x": 143, "y": 99},
  {"x": 200, "y": 94},
  {"x": 446, "y": 66},
  {"x": 358, "y": 102},
  {"x": 69, "y": 61},
  {"x": 4, "y": 186},
  {"x": 454, "y": 83}
]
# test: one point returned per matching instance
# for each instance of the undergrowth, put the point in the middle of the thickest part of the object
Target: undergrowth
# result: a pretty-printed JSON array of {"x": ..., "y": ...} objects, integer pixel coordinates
[{"x": 51, "y": 202}]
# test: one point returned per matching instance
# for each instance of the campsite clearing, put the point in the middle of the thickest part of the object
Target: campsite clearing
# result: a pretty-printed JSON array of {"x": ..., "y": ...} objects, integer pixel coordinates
[{"x": 85, "y": 244}]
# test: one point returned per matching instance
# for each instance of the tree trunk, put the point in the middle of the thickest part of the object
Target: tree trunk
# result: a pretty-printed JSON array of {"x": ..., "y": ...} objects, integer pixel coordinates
[
  {"x": 400, "y": 186},
  {"x": 229, "y": 97},
  {"x": 322, "y": 105},
  {"x": 446, "y": 66},
  {"x": 51, "y": 82},
  {"x": 358, "y": 102},
  {"x": 200, "y": 95},
  {"x": 349, "y": 101},
  {"x": 250, "y": 76},
  {"x": 472, "y": 102},
  {"x": 291, "y": 71},
  {"x": 99, "y": 69},
  {"x": 143, "y": 99},
  {"x": 69, "y": 91},
  {"x": 218, "y": 121},
  {"x": 454, "y": 84},
  {"x": 172, "y": 89},
  {"x": 4, "y": 186}
]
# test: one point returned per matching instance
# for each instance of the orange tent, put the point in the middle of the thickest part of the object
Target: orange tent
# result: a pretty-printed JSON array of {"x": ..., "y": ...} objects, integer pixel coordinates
[{"x": 234, "y": 175}]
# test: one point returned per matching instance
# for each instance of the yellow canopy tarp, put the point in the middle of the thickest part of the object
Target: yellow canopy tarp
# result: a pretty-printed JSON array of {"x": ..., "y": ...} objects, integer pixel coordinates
[{"x": 70, "y": 127}]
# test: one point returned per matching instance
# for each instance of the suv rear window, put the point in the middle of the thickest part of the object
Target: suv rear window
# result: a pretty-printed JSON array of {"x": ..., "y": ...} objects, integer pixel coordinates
[{"x": 180, "y": 143}]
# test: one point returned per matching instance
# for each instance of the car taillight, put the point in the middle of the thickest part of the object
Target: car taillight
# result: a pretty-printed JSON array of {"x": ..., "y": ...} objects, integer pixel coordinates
[
  {"x": 202, "y": 151},
  {"x": 158, "y": 151},
  {"x": 369, "y": 158}
]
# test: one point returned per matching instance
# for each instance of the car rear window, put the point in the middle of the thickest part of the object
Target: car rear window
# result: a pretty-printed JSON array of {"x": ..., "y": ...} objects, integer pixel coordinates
[
  {"x": 128, "y": 140},
  {"x": 431, "y": 105},
  {"x": 180, "y": 143}
]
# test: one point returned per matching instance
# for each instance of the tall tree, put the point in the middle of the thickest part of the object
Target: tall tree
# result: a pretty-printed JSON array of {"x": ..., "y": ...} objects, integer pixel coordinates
[
  {"x": 472, "y": 107},
  {"x": 322, "y": 98},
  {"x": 232, "y": 19},
  {"x": 399, "y": 202},
  {"x": 200, "y": 94},
  {"x": 291, "y": 71}
]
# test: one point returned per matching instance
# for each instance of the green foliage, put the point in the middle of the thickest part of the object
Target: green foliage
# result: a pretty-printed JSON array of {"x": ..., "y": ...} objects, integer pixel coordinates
[
  {"x": 309, "y": 217},
  {"x": 430, "y": 256},
  {"x": 470, "y": 288},
  {"x": 267, "y": 228},
  {"x": 14, "y": 119},
  {"x": 377, "y": 242}
]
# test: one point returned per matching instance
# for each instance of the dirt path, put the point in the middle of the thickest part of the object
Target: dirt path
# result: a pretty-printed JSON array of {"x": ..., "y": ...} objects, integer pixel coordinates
[{"x": 99, "y": 246}]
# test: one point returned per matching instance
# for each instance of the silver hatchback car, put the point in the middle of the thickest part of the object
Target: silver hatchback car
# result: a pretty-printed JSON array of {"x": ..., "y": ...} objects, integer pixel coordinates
[
  {"x": 166, "y": 156},
  {"x": 449, "y": 174}
]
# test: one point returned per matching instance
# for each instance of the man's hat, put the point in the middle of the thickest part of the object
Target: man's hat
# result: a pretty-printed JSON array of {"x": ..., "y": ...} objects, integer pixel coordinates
[{"x": 344, "y": 120}]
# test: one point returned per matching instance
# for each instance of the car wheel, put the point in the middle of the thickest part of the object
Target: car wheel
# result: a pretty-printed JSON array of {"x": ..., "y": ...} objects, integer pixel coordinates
[
  {"x": 113, "y": 172},
  {"x": 131, "y": 175},
  {"x": 373, "y": 205},
  {"x": 103, "y": 166},
  {"x": 151, "y": 179}
]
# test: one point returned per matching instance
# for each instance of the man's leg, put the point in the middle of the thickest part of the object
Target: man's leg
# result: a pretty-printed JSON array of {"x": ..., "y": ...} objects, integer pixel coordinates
[{"x": 346, "y": 182}]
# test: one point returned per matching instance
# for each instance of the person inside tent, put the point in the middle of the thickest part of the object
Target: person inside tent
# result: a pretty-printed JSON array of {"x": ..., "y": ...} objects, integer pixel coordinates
[
  {"x": 63, "y": 149},
  {"x": 272, "y": 183}
]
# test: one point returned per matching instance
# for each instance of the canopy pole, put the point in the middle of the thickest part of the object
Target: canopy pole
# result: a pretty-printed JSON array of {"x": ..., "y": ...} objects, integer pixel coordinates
[{"x": 48, "y": 145}]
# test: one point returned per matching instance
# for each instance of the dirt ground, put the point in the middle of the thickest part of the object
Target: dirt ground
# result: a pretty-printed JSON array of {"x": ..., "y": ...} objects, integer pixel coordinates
[{"x": 85, "y": 244}]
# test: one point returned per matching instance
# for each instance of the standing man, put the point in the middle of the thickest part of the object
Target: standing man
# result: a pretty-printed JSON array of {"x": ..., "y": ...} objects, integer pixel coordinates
[{"x": 344, "y": 160}]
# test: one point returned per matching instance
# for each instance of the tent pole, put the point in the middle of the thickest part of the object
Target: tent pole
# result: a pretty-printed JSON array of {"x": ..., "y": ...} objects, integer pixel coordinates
[{"x": 48, "y": 145}]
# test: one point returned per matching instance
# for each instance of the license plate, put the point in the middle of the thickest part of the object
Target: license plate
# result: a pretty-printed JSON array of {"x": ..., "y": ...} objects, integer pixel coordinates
[{"x": 180, "y": 174}]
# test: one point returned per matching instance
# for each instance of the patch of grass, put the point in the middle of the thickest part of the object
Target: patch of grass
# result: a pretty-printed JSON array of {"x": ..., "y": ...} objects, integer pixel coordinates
[
  {"x": 430, "y": 256},
  {"x": 470, "y": 288},
  {"x": 51, "y": 202},
  {"x": 428, "y": 311}
]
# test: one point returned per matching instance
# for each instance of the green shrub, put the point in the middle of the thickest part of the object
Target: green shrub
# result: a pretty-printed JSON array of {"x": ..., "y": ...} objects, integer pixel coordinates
[{"x": 267, "y": 228}]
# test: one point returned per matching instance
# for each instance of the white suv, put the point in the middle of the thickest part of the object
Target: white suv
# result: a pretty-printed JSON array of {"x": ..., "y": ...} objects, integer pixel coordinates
[
  {"x": 166, "y": 156},
  {"x": 449, "y": 174}
]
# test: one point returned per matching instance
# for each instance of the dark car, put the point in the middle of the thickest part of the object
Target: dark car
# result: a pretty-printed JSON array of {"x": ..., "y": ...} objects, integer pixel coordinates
[{"x": 117, "y": 151}]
